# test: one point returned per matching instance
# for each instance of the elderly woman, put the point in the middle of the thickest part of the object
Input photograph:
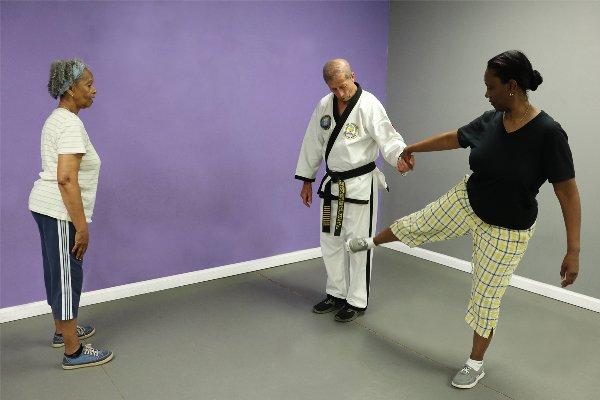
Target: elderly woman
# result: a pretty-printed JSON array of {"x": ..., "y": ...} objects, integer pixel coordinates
[
  {"x": 62, "y": 203},
  {"x": 515, "y": 148}
]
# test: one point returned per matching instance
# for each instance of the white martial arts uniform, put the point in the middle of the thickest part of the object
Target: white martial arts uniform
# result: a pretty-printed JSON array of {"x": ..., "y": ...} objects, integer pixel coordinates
[{"x": 365, "y": 129}]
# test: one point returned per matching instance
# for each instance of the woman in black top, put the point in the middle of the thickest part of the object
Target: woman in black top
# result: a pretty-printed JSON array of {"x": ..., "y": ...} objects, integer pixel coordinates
[{"x": 514, "y": 149}]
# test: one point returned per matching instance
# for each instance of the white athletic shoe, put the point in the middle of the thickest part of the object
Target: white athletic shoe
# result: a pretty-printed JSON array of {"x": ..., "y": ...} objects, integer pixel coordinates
[{"x": 357, "y": 244}]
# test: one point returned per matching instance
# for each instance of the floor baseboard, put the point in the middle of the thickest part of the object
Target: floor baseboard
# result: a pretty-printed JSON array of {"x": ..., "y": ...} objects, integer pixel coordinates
[
  {"x": 543, "y": 289},
  {"x": 8, "y": 314}
]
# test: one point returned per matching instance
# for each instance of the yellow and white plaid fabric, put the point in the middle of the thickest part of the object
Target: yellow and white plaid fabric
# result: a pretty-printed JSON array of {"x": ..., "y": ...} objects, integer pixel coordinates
[{"x": 496, "y": 250}]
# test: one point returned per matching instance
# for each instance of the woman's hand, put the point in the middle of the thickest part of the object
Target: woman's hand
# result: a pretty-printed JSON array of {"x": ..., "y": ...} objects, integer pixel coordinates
[
  {"x": 569, "y": 269},
  {"x": 568, "y": 197},
  {"x": 67, "y": 176},
  {"x": 82, "y": 240}
]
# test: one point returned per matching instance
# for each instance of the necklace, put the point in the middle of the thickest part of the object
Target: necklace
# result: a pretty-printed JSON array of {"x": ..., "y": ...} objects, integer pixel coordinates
[{"x": 518, "y": 121}]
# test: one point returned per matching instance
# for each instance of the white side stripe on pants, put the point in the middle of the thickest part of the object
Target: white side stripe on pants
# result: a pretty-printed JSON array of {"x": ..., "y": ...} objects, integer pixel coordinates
[{"x": 65, "y": 269}]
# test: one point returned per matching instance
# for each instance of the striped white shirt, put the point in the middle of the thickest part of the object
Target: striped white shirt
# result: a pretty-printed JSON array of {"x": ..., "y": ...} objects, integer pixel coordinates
[{"x": 64, "y": 133}]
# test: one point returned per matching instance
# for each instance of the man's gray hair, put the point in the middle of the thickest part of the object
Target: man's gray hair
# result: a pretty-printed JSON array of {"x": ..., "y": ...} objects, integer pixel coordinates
[
  {"x": 63, "y": 74},
  {"x": 333, "y": 68}
]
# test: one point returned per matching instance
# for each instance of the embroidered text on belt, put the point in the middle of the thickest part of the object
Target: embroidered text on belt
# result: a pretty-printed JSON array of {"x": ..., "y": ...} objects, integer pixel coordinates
[{"x": 339, "y": 178}]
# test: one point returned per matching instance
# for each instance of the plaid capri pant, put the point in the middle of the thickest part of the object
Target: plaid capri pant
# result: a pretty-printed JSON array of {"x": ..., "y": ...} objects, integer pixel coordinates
[{"x": 496, "y": 250}]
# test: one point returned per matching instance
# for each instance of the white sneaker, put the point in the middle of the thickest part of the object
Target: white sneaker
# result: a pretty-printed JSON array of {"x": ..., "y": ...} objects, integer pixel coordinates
[{"x": 357, "y": 244}]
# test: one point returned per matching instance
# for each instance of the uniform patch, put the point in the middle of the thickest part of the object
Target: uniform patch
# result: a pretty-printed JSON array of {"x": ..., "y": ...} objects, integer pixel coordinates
[
  {"x": 325, "y": 122},
  {"x": 351, "y": 131}
]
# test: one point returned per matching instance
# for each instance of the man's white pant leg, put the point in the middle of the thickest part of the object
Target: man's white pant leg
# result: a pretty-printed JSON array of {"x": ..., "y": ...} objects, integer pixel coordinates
[
  {"x": 360, "y": 221},
  {"x": 335, "y": 257}
]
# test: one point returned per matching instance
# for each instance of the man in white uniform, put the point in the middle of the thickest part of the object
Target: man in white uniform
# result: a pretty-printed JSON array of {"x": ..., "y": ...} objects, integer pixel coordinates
[{"x": 347, "y": 129}]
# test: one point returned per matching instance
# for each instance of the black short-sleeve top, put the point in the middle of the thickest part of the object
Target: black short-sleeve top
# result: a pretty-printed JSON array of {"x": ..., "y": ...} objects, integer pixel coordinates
[{"x": 509, "y": 168}]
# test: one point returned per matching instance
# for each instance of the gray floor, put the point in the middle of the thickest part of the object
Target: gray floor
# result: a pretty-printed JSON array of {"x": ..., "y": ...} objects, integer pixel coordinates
[{"x": 253, "y": 337}]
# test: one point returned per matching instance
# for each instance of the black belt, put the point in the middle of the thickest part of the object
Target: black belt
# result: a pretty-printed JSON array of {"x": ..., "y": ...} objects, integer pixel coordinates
[{"x": 339, "y": 178}]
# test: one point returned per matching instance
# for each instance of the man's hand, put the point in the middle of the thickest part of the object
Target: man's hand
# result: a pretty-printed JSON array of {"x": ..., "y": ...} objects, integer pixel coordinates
[
  {"x": 306, "y": 193},
  {"x": 569, "y": 269},
  {"x": 407, "y": 156},
  {"x": 406, "y": 161},
  {"x": 403, "y": 167}
]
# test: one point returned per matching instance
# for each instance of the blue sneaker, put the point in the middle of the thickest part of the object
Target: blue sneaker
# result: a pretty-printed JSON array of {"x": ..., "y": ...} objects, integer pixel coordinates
[
  {"x": 89, "y": 357},
  {"x": 83, "y": 332}
]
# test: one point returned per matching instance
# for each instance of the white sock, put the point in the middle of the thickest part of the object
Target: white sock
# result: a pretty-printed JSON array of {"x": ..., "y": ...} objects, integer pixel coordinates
[
  {"x": 370, "y": 242},
  {"x": 476, "y": 365}
]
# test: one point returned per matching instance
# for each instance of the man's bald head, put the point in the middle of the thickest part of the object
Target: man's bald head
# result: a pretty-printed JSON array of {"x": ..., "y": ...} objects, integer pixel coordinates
[{"x": 333, "y": 68}]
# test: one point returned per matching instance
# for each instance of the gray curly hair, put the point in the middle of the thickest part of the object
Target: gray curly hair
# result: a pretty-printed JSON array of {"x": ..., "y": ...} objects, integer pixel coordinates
[{"x": 63, "y": 74}]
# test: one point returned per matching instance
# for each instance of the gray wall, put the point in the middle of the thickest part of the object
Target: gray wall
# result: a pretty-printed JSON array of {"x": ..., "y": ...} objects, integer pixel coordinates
[{"x": 437, "y": 56}]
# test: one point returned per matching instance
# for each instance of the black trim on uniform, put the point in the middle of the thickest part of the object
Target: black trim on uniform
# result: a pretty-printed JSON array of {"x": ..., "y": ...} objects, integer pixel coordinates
[
  {"x": 339, "y": 123},
  {"x": 336, "y": 114},
  {"x": 340, "y": 120},
  {"x": 369, "y": 251},
  {"x": 303, "y": 178}
]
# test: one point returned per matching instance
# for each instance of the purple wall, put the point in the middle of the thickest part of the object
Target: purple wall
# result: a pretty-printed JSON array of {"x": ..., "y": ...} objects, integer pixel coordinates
[{"x": 199, "y": 116}]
